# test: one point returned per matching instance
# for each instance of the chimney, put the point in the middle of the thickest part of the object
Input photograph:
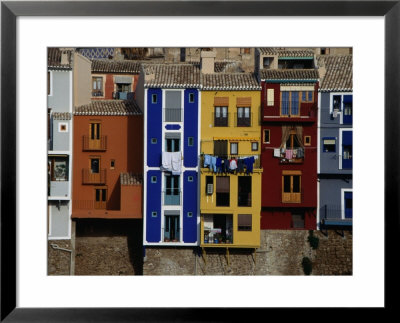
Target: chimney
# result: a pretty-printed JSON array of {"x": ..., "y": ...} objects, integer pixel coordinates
[
  {"x": 321, "y": 70},
  {"x": 64, "y": 57},
  {"x": 207, "y": 59}
]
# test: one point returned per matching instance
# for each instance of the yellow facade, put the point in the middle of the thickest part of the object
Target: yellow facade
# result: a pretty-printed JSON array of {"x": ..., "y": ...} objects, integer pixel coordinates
[{"x": 245, "y": 135}]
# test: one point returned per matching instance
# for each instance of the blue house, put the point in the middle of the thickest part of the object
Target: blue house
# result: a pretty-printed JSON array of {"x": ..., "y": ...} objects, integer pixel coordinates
[
  {"x": 335, "y": 147},
  {"x": 169, "y": 97}
]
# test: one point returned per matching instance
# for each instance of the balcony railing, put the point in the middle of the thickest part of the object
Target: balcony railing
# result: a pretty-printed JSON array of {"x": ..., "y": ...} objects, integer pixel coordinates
[
  {"x": 220, "y": 120},
  {"x": 244, "y": 120},
  {"x": 256, "y": 163},
  {"x": 172, "y": 196},
  {"x": 94, "y": 144},
  {"x": 289, "y": 156},
  {"x": 88, "y": 177},
  {"x": 123, "y": 95},
  {"x": 292, "y": 197},
  {"x": 305, "y": 111},
  {"x": 97, "y": 93},
  {"x": 172, "y": 115}
]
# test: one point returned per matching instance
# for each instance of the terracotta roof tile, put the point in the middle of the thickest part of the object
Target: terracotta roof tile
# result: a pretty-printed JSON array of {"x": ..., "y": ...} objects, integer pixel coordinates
[
  {"x": 131, "y": 179},
  {"x": 61, "y": 115},
  {"x": 286, "y": 52},
  {"x": 339, "y": 72},
  {"x": 109, "y": 107},
  {"x": 229, "y": 81},
  {"x": 289, "y": 74},
  {"x": 54, "y": 58},
  {"x": 108, "y": 66},
  {"x": 171, "y": 75}
]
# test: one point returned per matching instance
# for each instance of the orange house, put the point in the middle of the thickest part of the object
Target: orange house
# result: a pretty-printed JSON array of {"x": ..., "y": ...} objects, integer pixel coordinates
[{"x": 107, "y": 160}]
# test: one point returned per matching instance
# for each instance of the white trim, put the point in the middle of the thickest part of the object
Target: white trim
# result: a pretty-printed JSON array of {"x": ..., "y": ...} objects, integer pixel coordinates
[
  {"x": 145, "y": 168},
  {"x": 51, "y": 84},
  {"x": 331, "y": 94},
  {"x": 340, "y": 145},
  {"x": 344, "y": 190}
]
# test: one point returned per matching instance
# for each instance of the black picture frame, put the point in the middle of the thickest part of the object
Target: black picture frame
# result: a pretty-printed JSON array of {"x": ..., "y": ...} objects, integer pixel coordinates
[{"x": 10, "y": 10}]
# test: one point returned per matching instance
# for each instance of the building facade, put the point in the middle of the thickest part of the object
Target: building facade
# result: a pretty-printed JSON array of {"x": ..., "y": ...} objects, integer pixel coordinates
[
  {"x": 230, "y": 177},
  {"x": 67, "y": 78},
  {"x": 169, "y": 96},
  {"x": 335, "y": 141},
  {"x": 108, "y": 160},
  {"x": 289, "y": 100}
]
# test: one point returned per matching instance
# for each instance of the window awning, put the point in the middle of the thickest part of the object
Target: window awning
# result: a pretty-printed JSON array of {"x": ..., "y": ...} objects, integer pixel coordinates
[
  {"x": 238, "y": 138},
  {"x": 123, "y": 79}
]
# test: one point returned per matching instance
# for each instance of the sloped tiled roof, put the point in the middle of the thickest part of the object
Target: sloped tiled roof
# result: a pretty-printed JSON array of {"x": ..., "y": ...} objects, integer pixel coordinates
[
  {"x": 109, "y": 66},
  {"x": 109, "y": 107},
  {"x": 61, "y": 115},
  {"x": 54, "y": 58},
  {"x": 339, "y": 72},
  {"x": 229, "y": 81},
  {"x": 287, "y": 52},
  {"x": 289, "y": 74},
  {"x": 131, "y": 179},
  {"x": 171, "y": 75}
]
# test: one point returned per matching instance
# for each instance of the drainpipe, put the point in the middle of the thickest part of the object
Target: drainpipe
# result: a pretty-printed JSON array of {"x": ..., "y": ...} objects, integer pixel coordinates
[{"x": 56, "y": 247}]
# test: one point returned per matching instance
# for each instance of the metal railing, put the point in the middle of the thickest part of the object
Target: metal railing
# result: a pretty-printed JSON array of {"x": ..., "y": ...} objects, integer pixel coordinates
[
  {"x": 171, "y": 196},
  {"x": 123, "y": 95},
  {"x": 256, "y": 164},
  {"x": 243, "y": 120},
  {"x": 94, "y": 144},
  {"x": 289, "y": 156},
  {"x": 305, "y": 110},
  {"x": 97, "y": 93},
  {"x": 88, "y": 177}
]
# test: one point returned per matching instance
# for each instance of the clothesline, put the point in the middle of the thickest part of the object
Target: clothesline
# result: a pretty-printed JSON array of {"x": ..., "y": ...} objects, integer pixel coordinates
[{"x": 233, "y": 165}]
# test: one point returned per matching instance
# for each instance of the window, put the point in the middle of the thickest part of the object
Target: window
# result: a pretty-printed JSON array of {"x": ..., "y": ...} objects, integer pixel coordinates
[
  {"x": 94, "y": 165},
  {"x": 153, "y": 214},
  {"x": 221, "y": 117},
  {"x": 306, "y": 96},
  {"x": 190, "y": 214},
  {"x": 154, "y": 98},
  {"x": 191, "y": 97},
  {"x": 254, "y": 146},
  {"x": 58, "y": 168},
  {"x": 97, "y": 86},
  {"x": 307, "y": 140},
  {"x": 171, "y": 228},
  {"x": 221, "y": 148},
  {"x": 172, "y": 190},
  {"x": 297, "y": 221},
  {"x": 291, "y": 187},
  {"x": 234, "y": 148},
  {"x": 172, "y": 144},
  {"x": 172, "y": 106},
  {"x": 100, "y": 198},
  {"x": 243, "y": 117},
  {"x": 153, "y": 141},
  {"x": 94, "y": 129},
  {"x": 209, "y": 185},
  {"x": 266, "y": 138},
  {"x": 112, "y": 164},
  {"x": 190, "y": 141},
  {"x": 329, "y": 144},
  {"x": 190, "y": 178},
  {"x": 244, "y": 222},
  {"x": 290, "y": 104},
  {"x": 222, "y": 190},
  {"x": 270, "y": 97},
  {"x": 62, "y": 127},
  {"x": 266, "y": 62},
  {"x": 244, "y": 191},
  {"x": 48, "y": 83},
  {"x": 245, "y": 50},
  {"x": 154, "y": 179},
  {"x": 337, "y": 102}
]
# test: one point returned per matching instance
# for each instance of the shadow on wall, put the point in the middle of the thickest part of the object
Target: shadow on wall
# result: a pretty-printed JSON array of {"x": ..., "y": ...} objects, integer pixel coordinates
[{"x": 129, "y": 229}]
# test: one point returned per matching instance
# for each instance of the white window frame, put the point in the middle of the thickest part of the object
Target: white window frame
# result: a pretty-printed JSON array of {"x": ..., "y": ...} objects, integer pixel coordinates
[{"x": 343, "y": 191}]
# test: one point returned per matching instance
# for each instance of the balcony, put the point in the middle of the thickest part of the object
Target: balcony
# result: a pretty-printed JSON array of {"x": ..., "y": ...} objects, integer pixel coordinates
[
  {"x": 89, "y": 144},
  {"x": 172, "y": 115},
  {"x": 241, "y": 165},
  {"x": 292, "y": 197},
  {"x": 123, "y": 95},
  {"x": 307, "y": 112},
  {"x": 221, "y": 119},
  {"x": 97, "y": 93},
  {"x": 172, "y": 196},
  {"x": 88, "y": 177},
  {"x": 289, "y": 156},
  {"x": 243, "y": 120},
  {"x": 217, "y": 229}
]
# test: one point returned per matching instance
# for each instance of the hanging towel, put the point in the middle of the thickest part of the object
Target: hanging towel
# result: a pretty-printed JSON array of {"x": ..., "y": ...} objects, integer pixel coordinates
[
  {"x": 207, "y": 161},
  {"x": 249, "y": 164},
  {"x": 166, "y": 164},
  {"x": 232, "y": 164},
  {"x": 213, "y": 165},
  {"x": 225, "y": 165},
  {"x": 277, "y": 152},
  {"x": 289, "y": 153},
  {"x": 218, "y": 165},
  {"x": 240, "y": 165},
  {"x": 176, "y": 163}
]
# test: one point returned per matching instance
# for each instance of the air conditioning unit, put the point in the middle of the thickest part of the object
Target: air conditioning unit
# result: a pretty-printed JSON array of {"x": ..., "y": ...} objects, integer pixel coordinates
[{"x": 210, "y": 189}]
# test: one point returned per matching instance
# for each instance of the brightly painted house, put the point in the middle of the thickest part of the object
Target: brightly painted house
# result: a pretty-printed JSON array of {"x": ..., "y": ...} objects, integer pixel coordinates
[
  {"x": 230, "y": 198},
  {"x": 169, "y": 97},
  {"x": 335, "y": 141},
  {"x": 68, "y": 79},
  {"x": 289, "y": 83}
]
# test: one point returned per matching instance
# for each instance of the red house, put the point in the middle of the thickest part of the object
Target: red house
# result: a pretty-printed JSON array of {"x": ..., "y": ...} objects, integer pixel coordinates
[{"x": 289, "y": 138}]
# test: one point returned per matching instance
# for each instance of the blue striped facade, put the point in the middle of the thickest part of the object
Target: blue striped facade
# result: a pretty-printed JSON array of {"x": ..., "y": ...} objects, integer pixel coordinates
[{"x": 156, "y": 213}]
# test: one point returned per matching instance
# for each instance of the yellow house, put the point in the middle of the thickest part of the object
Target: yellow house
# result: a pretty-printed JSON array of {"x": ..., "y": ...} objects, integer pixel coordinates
[{"x": 230, "y": 192}]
